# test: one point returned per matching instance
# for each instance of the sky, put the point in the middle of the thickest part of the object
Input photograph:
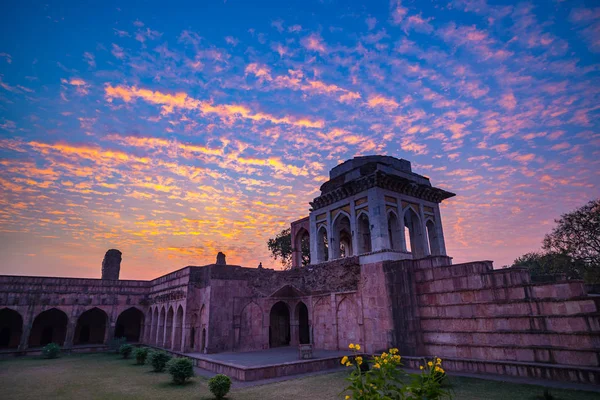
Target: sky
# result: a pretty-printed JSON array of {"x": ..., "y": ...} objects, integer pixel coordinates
[{"x": 173, "y": 130}]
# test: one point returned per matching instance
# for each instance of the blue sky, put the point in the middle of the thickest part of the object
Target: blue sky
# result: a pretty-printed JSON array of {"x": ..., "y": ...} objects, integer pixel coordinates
[{"x": 176, "y": 132}]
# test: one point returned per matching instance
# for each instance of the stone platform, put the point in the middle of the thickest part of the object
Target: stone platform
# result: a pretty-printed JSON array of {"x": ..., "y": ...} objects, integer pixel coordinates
[{"x": 266, "y": 364}]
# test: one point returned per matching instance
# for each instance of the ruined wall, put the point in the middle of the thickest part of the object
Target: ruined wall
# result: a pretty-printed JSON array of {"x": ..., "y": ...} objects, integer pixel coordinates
[
  {"x": 69, "y": 298},
  {"x": 497, "y": 321}
]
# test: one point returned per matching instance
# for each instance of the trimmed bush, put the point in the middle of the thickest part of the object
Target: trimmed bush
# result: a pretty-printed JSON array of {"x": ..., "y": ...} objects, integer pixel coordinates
[
  {"x": 181, "y": 369},
  {"x": 125, "y": 350},
  {"x": 158, "y": 360},
  {"x": 116, "y": 343},
  {"x": 51, "y": 350},
  {"x": 140, "y": 354},
  {"x": 219, "y": 385}
]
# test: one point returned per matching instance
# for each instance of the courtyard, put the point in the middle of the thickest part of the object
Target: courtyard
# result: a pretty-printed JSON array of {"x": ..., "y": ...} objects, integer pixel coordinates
[{"x": 106, "y": 376}]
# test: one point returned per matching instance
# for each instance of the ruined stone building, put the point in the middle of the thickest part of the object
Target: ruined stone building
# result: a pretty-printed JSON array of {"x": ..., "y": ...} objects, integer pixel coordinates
[{"x": 378, "y": 275}]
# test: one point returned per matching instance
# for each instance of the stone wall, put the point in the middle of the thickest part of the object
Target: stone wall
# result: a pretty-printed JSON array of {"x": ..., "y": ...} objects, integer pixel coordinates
[
  {"x": 60, "y": 303},
  {"x": 486, "y": 320}
]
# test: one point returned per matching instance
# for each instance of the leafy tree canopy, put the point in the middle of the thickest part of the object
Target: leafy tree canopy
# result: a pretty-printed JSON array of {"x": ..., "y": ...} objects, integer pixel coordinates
[
  {"x": 281, "y": 248},
  {"x": 572, "y": 248}
]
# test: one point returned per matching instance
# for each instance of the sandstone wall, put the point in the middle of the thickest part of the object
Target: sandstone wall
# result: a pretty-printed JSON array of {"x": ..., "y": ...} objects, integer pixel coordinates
[{"x": 498, "y": 321}]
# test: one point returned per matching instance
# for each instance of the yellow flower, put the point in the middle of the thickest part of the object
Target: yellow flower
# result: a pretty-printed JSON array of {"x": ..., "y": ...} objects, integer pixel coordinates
[
  {"x": 344, "y": 360},
  {"x": 385, "y": 360},
  {"x": 377, "y": 365},
  {"x": 421, "y": 367},
  {"x": 351, "y": 345},
  {"x": 359, "y": 360},
  {"x": 348, "y": 364},
  {"x": 384, "y": 354},
  {"x": 347, "y": 397},
  {"x": 439, "y": 369},
  {"x": 393, "y": 351},
  {"x": 357, "y": 346},
  {"x": 438, "y": 361},
  {"x": 430, "y": 364}
]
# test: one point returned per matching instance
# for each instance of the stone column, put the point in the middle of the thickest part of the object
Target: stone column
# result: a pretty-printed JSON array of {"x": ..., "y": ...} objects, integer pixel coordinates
[
  {"x": 314, "y": 249},
  {"x": 378, "y": 220},
  {"x": 27, "y": 323},
  {"x": 70, "y": 333},
  {"x": 440, "y": 230},
  {"x": 331, "y": 236},
  {"x": 425, "y": 236},
  {"x": 353, "y": 229}
]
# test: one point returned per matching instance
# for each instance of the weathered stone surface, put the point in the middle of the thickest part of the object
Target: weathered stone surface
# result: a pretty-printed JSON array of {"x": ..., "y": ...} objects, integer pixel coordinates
[{"x": 111, "y": 265}]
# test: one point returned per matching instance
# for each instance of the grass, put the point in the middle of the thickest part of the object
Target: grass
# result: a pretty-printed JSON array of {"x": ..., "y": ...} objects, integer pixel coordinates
[{"x": 106, "y": 376}]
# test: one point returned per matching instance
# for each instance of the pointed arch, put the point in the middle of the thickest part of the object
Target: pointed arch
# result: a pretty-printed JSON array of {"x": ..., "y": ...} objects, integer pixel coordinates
[
  {"x": 11, "y": 328},
  {"x": 363, "y": 230},
  {"x": 413, "y": 224},
  {"x": 251, "y": 327},
  {"x": 169, "y": 328},
  {"x": 301, "y": 317},
  {"x": 341, "y": 236},
  {"x": 347, "y": 323},
  {"x": 160, "y": 337},
  {"x": 322, "y": 244},
  {"x": 49, "y": 326},
  {"x": 203, "y": 331},
  {"x": 178, "y": 329},
  {"x": 91, "y": 327},
  {"x": 129, "y": 324},
  {"x": 302, "y": 247},
  {"x": 279, "y": 327}
]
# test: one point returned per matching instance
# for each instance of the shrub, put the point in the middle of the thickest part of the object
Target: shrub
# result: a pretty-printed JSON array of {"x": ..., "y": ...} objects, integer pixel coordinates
[
  {"x": 181, "y": 369},
  {"x": 384, "y": 380},
  {"x": 140, "y": 354},
  {"x": 158, "y": 360},
  {"x": 51, "y": 350},
  {"x": 126, "y": 350},
  {"x": 219, "y": 385},
  {"x": 116, "y": 343}
]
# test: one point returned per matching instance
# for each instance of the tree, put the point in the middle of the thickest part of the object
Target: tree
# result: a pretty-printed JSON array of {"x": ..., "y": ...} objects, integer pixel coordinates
[
  {"x": 550, "y": 263},
  {"x": 578, "y": 236},
  {"x": 572, "y": 248},
  {"x": 281, "y": 248}
]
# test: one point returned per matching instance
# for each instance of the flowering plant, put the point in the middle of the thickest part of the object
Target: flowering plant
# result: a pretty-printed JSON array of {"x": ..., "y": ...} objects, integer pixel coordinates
[{"x": 384, "y": 379}]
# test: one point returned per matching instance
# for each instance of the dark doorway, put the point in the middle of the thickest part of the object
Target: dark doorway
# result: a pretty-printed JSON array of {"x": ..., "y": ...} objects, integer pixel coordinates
[
  {"x": 279, "y": 330},
  {"x": 203, "y": 344},
  {"x": 11, "y": 327},
  {"x": 192, "y": 338},
  {"x": 91, "y": 327},
  {"x": 129, "y": 325},
  {"x": 303, "y": 329},
  {"x": 49, "y": 327}
]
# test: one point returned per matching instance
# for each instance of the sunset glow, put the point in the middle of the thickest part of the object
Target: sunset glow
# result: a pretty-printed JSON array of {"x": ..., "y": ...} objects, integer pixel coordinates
[{"x": 172, "y": 131}]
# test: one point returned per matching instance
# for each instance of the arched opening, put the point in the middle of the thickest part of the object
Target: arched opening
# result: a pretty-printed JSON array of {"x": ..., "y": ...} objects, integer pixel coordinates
[
  {"x": 408, "y": 244},
  {"x": 303, "y": 328},
  {"x": 178, "y": 328},
  {"x": 432, "y": 236},
  {"x": 363, "y": 228},
  {"x": 49, "y": 327},
  {"x": 11, "y": 328},
  {"x": 342, "y": 232},
  {"x": 394, "y": 232},
  {"x": 322, "y": 245},
  {"x": 160, "y": 336},
  {"x": 203, "y": 326},
  {"x": 91, "y": 327},
  {"x": 129, "y": 324},
  {"x": 415, "y": 233},
  {"x": 279, "y": 329},
  {"x": 169, "y": 328},
  {"x": 302, "y": 247},
  {"x": 193, "y": 331}
]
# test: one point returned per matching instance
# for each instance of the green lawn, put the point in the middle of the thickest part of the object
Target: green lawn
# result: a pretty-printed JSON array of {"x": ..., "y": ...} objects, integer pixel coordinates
[{"x": 105, "y": 376}]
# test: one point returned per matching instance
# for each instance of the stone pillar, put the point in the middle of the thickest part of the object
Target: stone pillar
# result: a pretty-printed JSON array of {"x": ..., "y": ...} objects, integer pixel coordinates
[
  {"x": 314, "y": 249},
  {"x": 440, "y": 230},
  {"x": 331, "y": 236},
  {"x": 378, "y": 220},
  {"x": 71, "y": 324},
  {"x": 27, "y": 323},
  {"x": 353, "y": 229},
  {"x": 425, "y": 237}
]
